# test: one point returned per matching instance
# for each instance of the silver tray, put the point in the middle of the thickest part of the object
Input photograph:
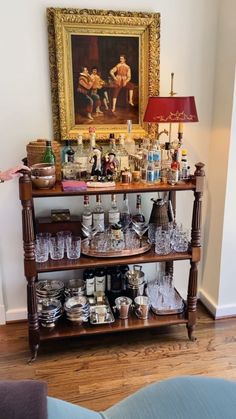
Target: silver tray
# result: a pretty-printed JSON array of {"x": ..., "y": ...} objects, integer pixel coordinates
[
  {"x": 164, "y": 312},
  {"x": 118, "y": 254},
  {"x": 101, "y": 318}
]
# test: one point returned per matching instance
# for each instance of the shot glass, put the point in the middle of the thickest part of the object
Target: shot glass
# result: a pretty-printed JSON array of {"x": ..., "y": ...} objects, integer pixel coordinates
[
  {"x": 56, "y": 248},
  {"x": 73, "y": 247}
]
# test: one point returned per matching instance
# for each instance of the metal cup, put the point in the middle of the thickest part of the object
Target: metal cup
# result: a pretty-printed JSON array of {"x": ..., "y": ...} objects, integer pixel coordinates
[
  {"x": 122, "y": 305},
  {"x": 141, "y": 307}
]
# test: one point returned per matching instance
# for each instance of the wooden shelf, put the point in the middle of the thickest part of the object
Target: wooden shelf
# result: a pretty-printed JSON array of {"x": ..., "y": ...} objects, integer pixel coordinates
[
  {"x": 117, "y": 189},
  {"x": 65, "y": 328},
  {"x": 88, "y": 261}
]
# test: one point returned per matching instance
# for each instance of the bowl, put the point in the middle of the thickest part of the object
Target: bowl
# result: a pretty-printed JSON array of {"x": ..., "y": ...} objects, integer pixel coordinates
[
  {"x": 43, "y": 182},
  {"x": 43, "y": 169}
]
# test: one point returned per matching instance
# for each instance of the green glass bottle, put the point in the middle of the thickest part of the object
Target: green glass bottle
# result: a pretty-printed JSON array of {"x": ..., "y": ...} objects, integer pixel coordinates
[{"x": 49, "y": 156}]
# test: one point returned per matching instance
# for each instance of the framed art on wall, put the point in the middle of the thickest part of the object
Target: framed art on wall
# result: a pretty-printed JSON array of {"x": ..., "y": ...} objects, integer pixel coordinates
[{"x": 103, "y": 67}]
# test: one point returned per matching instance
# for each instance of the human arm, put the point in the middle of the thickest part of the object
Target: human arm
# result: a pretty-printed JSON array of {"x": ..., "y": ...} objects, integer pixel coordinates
[
  {"x": 113, "y": 71},
  {"x": 128, "y": 76},
  {"x": 12, "y": 173}
]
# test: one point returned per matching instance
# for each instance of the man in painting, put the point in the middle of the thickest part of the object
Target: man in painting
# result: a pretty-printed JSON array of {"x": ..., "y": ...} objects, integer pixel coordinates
[
  {"x": 98, "y": 87},
  {"x": 87, "y": 99},
  {"x": 121, "y": 74}
]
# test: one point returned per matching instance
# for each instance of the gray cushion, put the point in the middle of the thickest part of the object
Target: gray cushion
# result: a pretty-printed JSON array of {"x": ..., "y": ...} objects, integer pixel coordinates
[
  {"x": 187, "y": 397},
  {"x": 179, "y": 398}
]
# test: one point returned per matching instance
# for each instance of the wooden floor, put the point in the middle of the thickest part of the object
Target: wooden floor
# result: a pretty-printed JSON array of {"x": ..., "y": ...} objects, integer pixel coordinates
[{"x": 97, "y": 372}]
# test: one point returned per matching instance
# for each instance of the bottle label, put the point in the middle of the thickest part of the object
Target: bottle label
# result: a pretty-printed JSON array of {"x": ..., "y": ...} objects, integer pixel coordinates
[
  {"x": 98, "y": 221},
  {"x": 150, "y": 175},
  {"x": 124, "y": 162},
  {"x": 82, "y": 162},
  {"x": 100, "y": 283},
  {"x": 113, "y": 217},
  {"x": 90, "y": 286},
  {"x": 156, "y": 174},
  {"x": 87, "y": 220}
]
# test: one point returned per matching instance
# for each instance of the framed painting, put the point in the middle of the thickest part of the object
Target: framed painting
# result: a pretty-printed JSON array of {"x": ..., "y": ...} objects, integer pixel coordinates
[{"x": 103, "y": 67}]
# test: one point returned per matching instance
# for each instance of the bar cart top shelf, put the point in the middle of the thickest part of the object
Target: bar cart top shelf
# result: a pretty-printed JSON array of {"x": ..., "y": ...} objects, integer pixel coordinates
[{"x": 119, "y": 188}]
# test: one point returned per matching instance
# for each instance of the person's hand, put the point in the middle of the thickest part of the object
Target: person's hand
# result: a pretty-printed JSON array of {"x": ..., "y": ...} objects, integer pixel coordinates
[{"x": 12, "y": 173}]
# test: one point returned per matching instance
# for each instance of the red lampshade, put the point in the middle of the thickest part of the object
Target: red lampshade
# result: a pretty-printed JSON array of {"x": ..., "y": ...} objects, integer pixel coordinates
[{"x": 171, "y": 109}]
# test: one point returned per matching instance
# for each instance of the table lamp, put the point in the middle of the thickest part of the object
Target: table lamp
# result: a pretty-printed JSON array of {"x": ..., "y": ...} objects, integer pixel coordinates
[
  {"x": 181, "y": 109},
  {"x": 171, "y": 109}
]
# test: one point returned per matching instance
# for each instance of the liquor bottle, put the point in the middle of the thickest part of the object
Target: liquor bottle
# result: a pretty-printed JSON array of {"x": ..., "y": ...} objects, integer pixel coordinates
[
  {"x": 138, "y": 216},
  {"x": 98, "y": 214},
  {"x": 157, "y": 161},
  {"x": 184, "y": 168},
  {"x": 166, "y": 158},
  {"x": 150, "y": 172},
  {"x": 113, "y": 213},
  {"x": 89, "y": 278},
  {"x": 81, "y": 159},
  {"x": 49, "y": 156},
  {"x": 68, "y": 167},
  {"x": 70, "y": 153},
  {"x": 87, "y": 218},
  {"x": 64, "y": 151},
  {"x": 175, "y": 167},
  {"x": 100, "y": 279},
  {"x": 129, "y": 142},
  {"x": 123, "y": 155},
  {"x": 125, "y": 215}
]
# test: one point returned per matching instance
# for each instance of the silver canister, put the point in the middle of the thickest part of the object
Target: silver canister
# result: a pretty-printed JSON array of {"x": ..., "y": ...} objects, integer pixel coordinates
[{"x": 135, "y": 281}]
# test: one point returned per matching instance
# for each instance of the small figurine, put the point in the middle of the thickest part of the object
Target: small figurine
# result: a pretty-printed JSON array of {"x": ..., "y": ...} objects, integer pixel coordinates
[
  {"x": 111, "y": 164},
  {"x": 97, "y": 162}
]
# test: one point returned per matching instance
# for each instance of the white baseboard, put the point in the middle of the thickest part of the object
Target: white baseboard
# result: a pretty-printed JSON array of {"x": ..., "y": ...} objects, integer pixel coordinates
[
  {"x": 2, "y": 314},
  {"x": 227, "y": 310},
  {"x": 16, "y": 314}
]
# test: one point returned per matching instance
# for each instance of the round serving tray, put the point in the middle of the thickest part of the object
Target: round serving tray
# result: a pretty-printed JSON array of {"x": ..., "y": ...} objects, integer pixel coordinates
[{"x": 121, "y": 253}]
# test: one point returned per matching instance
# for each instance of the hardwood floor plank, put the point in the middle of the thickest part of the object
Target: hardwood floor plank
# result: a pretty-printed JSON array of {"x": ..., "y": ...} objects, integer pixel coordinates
[{"x": 98, "y": 371}]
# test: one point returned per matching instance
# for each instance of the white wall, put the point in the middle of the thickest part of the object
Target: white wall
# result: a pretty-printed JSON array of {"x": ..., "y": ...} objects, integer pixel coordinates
[
  {"x": 188, "y": 30},
  {"x": 218, "y": 285}
]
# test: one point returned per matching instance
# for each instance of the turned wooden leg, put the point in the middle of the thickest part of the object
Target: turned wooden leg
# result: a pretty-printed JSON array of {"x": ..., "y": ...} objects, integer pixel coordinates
[
  {"x": 25, "y": 187},
  {"x": 192, "y": 300},
  {"x": 33, "y": 323}
]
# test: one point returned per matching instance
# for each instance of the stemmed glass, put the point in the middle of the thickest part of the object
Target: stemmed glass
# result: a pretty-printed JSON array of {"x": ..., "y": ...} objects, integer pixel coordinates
[
  {"x": 90, "y": 232},
  {"x": 140, "y": 229}
]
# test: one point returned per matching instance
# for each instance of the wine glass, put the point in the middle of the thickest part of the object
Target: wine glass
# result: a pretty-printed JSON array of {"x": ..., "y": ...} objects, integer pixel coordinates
[
  {"x": 90, "y": 232},
  {"x": 140, "y": 229}
]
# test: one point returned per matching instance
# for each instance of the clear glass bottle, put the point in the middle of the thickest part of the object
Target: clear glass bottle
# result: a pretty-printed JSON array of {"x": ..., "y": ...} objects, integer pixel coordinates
[
  {"x": 138, "y": 216},
  {"x": 150, "y": 172},
  {"x": 129, "y": 142},
  {"x": 125, "y": 215},
  {"x": 64, "y": 151},
  {"x": 81, "y": 159},
  {"x": 157, "y": 161},
  {"x": 70, "y": 153},
  {"x": 49, "y": 156},
  {"x": 123, "y": 155},
  {"x": 99, "y": 214},
  {"x": 184, "y": 168},
  {"x": 87, "y": 218},
  {"x": 113, "y": 213}
]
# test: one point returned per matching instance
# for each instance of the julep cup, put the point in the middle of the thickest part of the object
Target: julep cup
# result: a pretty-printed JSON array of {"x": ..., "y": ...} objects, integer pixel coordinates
[{"x": 141, "y": 307}]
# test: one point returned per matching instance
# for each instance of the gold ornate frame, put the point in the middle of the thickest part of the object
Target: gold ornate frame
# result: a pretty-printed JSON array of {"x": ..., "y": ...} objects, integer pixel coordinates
[{"x": 62, "y": 23}]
